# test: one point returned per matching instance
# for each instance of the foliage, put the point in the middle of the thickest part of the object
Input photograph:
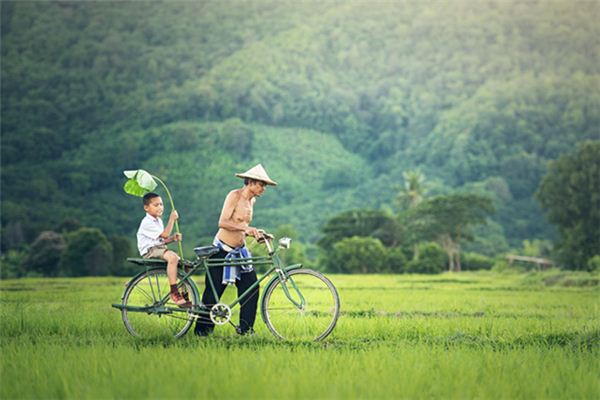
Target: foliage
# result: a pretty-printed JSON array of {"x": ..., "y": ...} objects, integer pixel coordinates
[
  {"x": 431, "y": 260},
  {"x": 504, "y": 267},
  {"x": 474, "y": 262},
  {"x": 357, "y": 255},
  {"x": 570, "y": 193},
  {"x": 12, "y": 235},
  {"x": 139, "y": 182},
  {"x": 88, "y": 252},
  {"x": 45, "y": 253},
  {"x": 536, "y": 248},
  {"x": 396, "y": 259},
  {"x": 413, "y": 191},
  {"x": 11, "y": 264},
  {"x": 447, "y": 219},
  {"x": 121, "y": 249},
  {"x": 593, "y": 263},
  {"x": 488, "y": 239},
  {"x": 296, "y": 253},
  {"x": 376, "y": 223},
  {"x": 339, "y": 99}
]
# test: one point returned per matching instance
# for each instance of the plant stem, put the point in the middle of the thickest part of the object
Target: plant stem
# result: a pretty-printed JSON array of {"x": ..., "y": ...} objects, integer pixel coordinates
[{"x": 179, "y": 247}]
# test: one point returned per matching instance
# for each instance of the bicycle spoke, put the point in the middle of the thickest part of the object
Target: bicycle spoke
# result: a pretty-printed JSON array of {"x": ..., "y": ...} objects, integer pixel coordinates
[
  {"x": 157, "y": 319},
  {"x": 314, "y": 320},
  {"x": 145, "y": 293},
  {"x": 151, "y": 287},
  {"x": 158, "y": 288}
]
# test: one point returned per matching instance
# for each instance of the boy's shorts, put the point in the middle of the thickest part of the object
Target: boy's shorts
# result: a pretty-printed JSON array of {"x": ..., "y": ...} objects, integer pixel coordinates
[{"x": 156, "y": 251}]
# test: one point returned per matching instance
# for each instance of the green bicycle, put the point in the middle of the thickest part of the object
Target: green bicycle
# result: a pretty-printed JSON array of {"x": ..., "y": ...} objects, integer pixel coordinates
[{"x": 297, "y": 303}]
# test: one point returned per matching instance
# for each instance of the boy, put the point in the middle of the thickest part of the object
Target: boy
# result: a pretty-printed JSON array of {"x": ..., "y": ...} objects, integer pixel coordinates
[{"x": 152, "y": 238}]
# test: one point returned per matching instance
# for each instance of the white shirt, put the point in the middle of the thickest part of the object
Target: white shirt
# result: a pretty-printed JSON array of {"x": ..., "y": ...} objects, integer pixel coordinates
[{"x": 148, "y": 234}]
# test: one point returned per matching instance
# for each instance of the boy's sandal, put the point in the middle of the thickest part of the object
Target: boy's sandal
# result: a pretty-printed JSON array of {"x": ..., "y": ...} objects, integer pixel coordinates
[{"x": 179, "y": 300}]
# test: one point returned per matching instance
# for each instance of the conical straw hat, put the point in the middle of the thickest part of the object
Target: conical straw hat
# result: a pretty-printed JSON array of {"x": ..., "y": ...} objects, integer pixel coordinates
[{"x": 258, "y": 173}]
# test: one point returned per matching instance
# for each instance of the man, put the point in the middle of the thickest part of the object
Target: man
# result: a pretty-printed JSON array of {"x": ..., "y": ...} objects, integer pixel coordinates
[{"x": 234, "y": 226}]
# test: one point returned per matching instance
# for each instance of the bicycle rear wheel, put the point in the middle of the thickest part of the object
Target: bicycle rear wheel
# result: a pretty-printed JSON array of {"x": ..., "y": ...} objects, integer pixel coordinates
[
  {"x": 305, "y": 307},
  {"x": 156, "y": 319}
]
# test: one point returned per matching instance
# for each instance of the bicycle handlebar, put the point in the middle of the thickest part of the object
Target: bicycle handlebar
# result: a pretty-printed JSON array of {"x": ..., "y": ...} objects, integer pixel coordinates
[{"x": 267, "y": 238}]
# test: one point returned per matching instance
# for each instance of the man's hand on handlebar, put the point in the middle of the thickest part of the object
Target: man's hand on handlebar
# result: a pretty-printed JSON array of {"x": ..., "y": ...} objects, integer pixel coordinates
[
  {"x": 259, "y": 234},
  {"x": 264, "y": 236},
  {"x": 251, "y": 231}
]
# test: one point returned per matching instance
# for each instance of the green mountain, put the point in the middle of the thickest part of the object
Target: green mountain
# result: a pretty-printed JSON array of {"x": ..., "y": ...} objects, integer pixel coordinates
[{"x": 336, "y": 99}]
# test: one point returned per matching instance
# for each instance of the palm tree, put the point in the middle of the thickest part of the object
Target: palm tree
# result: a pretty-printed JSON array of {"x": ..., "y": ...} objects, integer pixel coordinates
[
  {"x": 414, "y": 190},
  {"x": 411, "y": 195}
]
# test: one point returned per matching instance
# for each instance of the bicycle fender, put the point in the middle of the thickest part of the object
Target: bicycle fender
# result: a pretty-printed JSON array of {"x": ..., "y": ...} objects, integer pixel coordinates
[{"x": 293, "y": 266}]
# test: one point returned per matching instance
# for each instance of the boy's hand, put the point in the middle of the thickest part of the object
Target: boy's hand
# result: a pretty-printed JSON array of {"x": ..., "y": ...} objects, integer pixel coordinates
[
  {"x": 177, "y": 237},
  {"x": 174, "y": 215}
]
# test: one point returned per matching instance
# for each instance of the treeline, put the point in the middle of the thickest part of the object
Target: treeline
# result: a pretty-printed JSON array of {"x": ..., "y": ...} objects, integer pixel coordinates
[
  {"x": 70, "y": 250},
  {"x": 426, "y": 235},
  {"x": 337, "y": 99}
]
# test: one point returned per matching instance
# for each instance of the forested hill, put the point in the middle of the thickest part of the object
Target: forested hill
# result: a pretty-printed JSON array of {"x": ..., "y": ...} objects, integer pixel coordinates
[{"x": 336, "y": 99}]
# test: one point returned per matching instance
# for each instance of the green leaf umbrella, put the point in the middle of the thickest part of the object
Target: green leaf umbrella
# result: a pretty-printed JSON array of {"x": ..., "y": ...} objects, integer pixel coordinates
[{"x": 140, "y": 182}]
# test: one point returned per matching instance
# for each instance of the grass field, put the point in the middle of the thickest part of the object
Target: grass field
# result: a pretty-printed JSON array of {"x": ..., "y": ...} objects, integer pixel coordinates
[{"x": 469, "y": 335}]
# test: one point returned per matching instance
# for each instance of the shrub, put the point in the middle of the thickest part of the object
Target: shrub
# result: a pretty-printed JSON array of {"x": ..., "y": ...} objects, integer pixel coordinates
[
  {"x": 45, "y": 254},
  {"x": 396, "y": 260},
  {"x": 121, "y": 249},
  {"x": 88, "y": 252},
  {"x": 593, "y": 264},
  {"x": 357, "y": 255},
  {"x": 502, "y": 266},
  {"x": 431, "y": 259},
  {"x": 475, "y": 261},
  {"x": 12, "y": 264}
]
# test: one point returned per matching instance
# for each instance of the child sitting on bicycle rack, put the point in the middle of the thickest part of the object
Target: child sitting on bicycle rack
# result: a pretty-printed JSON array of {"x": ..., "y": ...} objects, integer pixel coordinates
[{"x": 152, "y": 239}]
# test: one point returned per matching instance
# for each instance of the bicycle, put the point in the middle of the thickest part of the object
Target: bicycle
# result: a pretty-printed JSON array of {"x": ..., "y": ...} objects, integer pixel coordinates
[{"x": 297, "y": 303}]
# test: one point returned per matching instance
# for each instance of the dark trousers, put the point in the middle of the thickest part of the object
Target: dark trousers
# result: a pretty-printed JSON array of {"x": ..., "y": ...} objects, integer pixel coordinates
[{"x": 248, "y": 303}]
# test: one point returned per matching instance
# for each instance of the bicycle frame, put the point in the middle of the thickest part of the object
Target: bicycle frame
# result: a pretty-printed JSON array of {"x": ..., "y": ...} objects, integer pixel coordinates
[{"x": 205, "y": 264}]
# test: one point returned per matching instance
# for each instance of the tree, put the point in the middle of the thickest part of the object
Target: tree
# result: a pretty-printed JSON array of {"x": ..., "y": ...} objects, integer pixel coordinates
[
  {"x": 122, "y": 248},
  {"x": 396, "y": 259},
  {"x": 357, "y": 255},
  {"x": 88, "y": 252},
  {"x": 447, "y": 219},
  {"x": 45, "y": 253},
  {"x": 431, "y": 259},
  {"x": 414, "y": 190},
  {"x": 570, "y": 193},
  {"x": 12, "y": 235},
  {"x": 411, "y": 195},
  {"x": 375, "y": 223}
]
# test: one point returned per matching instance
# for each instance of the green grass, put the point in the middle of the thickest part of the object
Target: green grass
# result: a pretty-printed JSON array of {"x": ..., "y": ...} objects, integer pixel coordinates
[{"x": 469, "y": 335}]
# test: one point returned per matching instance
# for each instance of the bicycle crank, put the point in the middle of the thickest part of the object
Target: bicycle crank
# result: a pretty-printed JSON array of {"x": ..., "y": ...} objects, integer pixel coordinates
[{"x": 220, "y": 314}]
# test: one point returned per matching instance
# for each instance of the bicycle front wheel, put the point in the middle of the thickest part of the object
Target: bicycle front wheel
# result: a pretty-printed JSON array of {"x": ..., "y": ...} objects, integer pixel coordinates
[
  {"x": 148, "y": 316},
  {"x": 304, "y": 307}
]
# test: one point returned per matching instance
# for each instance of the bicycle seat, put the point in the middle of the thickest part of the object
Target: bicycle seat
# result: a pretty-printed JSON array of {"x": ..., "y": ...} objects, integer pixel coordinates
[{"x": 206, "y": 251}]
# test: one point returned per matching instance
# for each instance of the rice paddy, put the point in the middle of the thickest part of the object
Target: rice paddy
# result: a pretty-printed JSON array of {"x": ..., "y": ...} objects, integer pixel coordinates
[{"x": 468, "y": 335}]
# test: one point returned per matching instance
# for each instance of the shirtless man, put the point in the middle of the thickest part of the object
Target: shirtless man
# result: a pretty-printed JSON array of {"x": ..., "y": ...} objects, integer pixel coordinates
[{"x": 234, "y": 226}]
